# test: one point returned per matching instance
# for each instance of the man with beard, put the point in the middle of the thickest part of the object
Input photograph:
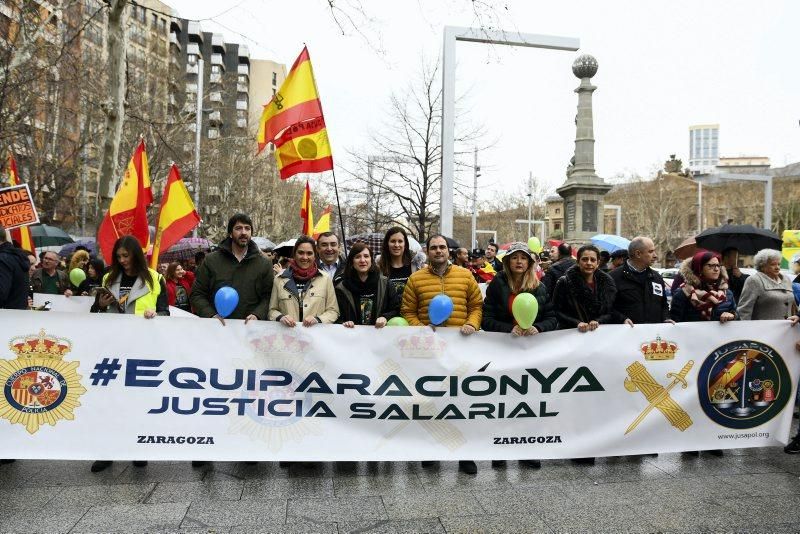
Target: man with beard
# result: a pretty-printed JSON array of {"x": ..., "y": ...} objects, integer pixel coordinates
[{"x": 237, "y": 263}]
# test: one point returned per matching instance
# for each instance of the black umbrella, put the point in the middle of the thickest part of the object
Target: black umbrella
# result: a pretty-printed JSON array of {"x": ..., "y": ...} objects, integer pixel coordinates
[
  {"x": 746, "y": 238},
  {"x": 47, "y": 236},
  {"x": 452, "y": 243}
]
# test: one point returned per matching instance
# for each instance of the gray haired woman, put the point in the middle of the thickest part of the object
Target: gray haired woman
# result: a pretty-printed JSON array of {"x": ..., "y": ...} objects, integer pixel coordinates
[{"x": 767, "y": 294}]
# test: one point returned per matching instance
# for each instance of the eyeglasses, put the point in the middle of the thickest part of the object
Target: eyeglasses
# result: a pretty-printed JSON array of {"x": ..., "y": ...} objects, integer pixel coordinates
[{"x": 713, "y": 266}]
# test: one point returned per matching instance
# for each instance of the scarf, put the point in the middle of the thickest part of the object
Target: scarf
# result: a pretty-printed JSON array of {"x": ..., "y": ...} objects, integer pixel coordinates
[
  {"x": 357, "y": 287},
  {"x": 303, "y": 275},
  {"x": 708, "y": 294},
  {"x": 591, "y": 303}
]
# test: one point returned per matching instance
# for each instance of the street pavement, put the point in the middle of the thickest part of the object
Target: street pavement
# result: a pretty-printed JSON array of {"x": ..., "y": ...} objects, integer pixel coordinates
[{"x": 747, "y": 490}]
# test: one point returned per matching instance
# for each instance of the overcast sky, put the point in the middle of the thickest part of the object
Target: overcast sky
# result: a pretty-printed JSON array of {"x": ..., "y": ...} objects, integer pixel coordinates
[{"x": 662, "y": 67}]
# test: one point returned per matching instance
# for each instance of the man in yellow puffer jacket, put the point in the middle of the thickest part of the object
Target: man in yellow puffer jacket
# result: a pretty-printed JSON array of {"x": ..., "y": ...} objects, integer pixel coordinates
[
  {"x": 437, "y": 278},
  {"x": 455, "y": 282}
]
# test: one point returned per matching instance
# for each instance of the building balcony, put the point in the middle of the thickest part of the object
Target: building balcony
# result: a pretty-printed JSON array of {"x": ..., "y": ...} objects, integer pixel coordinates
[
  {"x": 216, "y": 59},
  {"x": 213, "y": 134},
  {"x": 193, "y": 49},
  {"x": 241, "y": 123},
  {"x": 217, "y": 42},
  {"x": 216, "y": 96},
  {"x": 242, "y": 88},
  {"x": 244, "y": 53},
  {"x": 191, "y": 88},
  {"x": 195, "y": 30},
  {"x": 215, "y": 78},
  {"x": 215, "y": 117},
  {"x": 175, "y": 25},
  {"x": 244, "y": 70},
  {"x": 241, "y": 105},
  {"x": 173, "y": 40},
  {"x": 192, "y": 69}
]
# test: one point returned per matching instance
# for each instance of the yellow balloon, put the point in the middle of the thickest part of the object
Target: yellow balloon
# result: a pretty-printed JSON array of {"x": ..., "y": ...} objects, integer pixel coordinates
[{"x": 534, "y": 245}]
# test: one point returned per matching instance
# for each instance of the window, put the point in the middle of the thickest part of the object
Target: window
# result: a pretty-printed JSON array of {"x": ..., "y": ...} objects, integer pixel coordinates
[
  {"x": 557, "y": 226},
  {"x": 274, "y": 78},
  {"x": 242, "y": 79},
  {"x": 216, "y": 69},
  {"x": 191, "y": 59},
  {"x": 558, "y": 211}
]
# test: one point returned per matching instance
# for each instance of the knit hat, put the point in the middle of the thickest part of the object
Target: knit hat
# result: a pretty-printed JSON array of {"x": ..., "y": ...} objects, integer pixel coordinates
[{"x": 699, "y": 260}]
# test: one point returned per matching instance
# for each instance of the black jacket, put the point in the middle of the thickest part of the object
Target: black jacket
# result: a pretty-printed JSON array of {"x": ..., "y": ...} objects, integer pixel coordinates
[
  {"x": 640, "y": 302},
  {"x": 252, "y": 278},
  {"x": 387, "y": 301},
  {"x": 575, "y": 302},
  {"x": 556, "y": 271},
  {"x": 14, "y": 283},
  {"x": 498, "y": 318}
]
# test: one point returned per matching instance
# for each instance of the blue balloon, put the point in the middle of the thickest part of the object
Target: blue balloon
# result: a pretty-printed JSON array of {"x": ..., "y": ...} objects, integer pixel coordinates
[
  {"x": 226, "y": 300},
  {"x": 440, "y": 309}
]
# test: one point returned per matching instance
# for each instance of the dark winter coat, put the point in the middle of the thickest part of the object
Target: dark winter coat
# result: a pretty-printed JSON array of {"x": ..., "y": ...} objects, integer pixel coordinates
[
  {"x": 575, "y": 302},
  {"x": 38, "y": 284},
  {"x": 640, "y": 300},
  {"x": 14, "y": 283},
  {"x": 387, "y": 301},
  {"x": 556, "y": 271},
  {"x": 682, "y": 310},
  {"x": 497, "y": 316},
  {"x": 252, "y": 278}
]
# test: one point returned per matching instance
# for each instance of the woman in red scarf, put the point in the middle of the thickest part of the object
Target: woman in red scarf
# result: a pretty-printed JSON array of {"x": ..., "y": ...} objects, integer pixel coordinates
[
  {"x": 302, "y": 293},
  {"x": 704, "y": 295},
  {"x": 179, "y": 286}
]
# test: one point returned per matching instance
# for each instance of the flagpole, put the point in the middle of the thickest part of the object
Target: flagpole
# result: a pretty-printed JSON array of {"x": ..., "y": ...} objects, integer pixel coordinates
[{"x": 333, "y": 172}]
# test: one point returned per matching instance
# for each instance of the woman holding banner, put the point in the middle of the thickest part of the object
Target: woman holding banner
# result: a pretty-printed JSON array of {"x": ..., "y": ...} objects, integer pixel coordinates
[
  {"x": 584, "y": 297},
  {"x": 302, "y": 293},
  {"x": 364, "y": 295},
  {"x": 130, "y": 287},
  {"x": 768, "y": 293},
  {"x": 704, "y": 295},
  {"x": 517, "y": 277}
]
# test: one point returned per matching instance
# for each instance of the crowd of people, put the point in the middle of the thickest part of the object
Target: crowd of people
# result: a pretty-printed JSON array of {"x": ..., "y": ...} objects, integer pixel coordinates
[{"x": 318, "y": 284}]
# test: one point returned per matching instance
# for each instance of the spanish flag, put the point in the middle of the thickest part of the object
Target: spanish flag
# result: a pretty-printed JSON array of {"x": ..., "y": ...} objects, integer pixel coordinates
[
  {"x": 177, "y": 217},
  {"x": 296, "y": 101},
  {"x": 303, "y": 147},
  {"x": 323, "y": 224},
  {"x": 127, "y": 214},
  {"x": 21, "y": 235},
  {"x": 305, "y": 211}
]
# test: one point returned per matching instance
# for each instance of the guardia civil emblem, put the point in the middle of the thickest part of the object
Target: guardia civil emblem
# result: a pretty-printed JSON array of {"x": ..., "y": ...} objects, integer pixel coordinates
[
  {"x": 743, "y": 384},
  {"x": 39, "y": 386}
]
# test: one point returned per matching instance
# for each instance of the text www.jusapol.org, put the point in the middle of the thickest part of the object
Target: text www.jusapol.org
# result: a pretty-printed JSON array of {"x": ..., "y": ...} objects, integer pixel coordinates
[{"x": 744, "y": 435}]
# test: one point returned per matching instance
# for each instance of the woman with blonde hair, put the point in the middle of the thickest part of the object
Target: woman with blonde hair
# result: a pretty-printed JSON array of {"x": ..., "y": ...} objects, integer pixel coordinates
[{"x": 79, "y": 260}]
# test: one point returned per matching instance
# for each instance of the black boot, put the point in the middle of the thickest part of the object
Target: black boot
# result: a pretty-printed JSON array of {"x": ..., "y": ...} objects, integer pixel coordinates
[
  {"x": 198, "y": 463},
  {"x": 498, "y": 463},
  {"x": 532, "y": 464},
  {"x": 468, "y": 467},
  {"x": 101, "y": 465},
  {"x": 139, "y": 463}
]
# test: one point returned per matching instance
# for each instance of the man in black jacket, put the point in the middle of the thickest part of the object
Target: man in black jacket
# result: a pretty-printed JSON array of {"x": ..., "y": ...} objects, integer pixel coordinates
[
  {"x": 558, "y": 268},
  {"x": 14, "y": 283},
  {"x": 641, "y": 293}
]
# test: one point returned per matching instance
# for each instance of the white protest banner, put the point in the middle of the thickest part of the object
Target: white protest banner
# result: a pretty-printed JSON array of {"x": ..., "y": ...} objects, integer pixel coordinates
[
  {"x": 81, "y": 304},
  {"x": 89, "y": 386}
]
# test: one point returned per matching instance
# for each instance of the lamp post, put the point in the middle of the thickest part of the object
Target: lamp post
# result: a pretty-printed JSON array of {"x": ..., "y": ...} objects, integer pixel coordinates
[
  {"x": 198, "y": 123},
  {"x": 475, "y": 35}
]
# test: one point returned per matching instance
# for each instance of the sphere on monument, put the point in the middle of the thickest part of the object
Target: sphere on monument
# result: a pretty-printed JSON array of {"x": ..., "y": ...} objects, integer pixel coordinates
[{"x": 585, "y": 66}]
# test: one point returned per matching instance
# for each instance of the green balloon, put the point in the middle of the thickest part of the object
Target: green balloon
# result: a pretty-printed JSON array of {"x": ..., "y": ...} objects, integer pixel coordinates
[
  {"x": 76, "y": 276},
  {"x": 397, "y": 321},
  {"x": 534, "y": 245},
  {"x": 525, "y": 309}
]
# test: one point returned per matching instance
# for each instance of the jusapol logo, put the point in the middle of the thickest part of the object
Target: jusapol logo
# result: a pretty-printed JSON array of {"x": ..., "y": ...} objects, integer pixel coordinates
[
  {"x": 39, "y": 386},
  {"x": 743, "y": 384}
]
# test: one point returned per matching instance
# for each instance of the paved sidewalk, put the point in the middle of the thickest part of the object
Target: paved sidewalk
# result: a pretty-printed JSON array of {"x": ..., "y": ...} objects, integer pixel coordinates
[{"x": 747, "y": 490}]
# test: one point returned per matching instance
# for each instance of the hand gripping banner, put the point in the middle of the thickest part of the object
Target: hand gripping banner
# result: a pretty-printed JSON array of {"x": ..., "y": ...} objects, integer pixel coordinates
[{"x": 84, "y": 386}]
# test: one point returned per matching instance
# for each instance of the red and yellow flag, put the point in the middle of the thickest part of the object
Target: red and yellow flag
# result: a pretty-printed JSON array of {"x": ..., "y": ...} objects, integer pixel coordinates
[
  {"x": 21, "y": 235},
  {"x": 323, "y": 224},
  {"x": 303, "y": 147},
  {"x": 305, "y": 211},
  {"x": 127, "y": 214},
  {"x": 296, "y": 101},
  {"x": 177, "y": 217}
]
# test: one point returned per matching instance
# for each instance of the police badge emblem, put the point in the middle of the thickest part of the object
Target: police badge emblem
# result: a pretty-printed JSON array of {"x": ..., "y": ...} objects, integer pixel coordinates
[
  {"x": 38, "y": 385},
  {"x": 743, "y": 384}
]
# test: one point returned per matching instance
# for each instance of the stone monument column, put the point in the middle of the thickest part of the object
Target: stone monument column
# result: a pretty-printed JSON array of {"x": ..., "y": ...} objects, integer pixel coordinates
[{"x": 583, "y": 190}]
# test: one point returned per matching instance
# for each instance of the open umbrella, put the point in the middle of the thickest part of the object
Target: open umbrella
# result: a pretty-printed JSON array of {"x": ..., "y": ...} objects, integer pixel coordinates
[
  {"x": 686, "y": 249},
  {"x": 45, "y": 235},
  {"x": 69, "y": 248},
  {"x": 610, "y": 242},
  {"x": 184, "y": 249},
  {"x": 263, "y": 243},
  {"x": 285, "y": 249},
  {"x": 746, "y": 238},
  {"x": 373, "y": 240}
]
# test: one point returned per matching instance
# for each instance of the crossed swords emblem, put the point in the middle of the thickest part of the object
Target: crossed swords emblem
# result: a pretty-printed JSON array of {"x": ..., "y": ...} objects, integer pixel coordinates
[{"x": 639, "y": 379}]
